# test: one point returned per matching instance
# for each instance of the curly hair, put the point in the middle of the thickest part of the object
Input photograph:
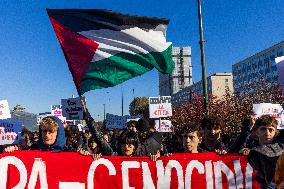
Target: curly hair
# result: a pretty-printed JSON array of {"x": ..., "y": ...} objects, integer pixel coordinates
[
  {"x": 48, "y": 124},
  {"x": 190, "y": 128},
  {"x": 212, "y": 122},
  {"x": 266, "y": 120}
]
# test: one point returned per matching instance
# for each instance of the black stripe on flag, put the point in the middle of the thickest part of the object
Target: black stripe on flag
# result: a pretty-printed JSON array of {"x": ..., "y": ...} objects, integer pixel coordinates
[{"x": 94, "y": 19}]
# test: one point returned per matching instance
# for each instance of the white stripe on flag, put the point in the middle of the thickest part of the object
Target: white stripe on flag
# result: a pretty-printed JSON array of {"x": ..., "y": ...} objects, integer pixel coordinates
[{"x": 133, "y": 41}]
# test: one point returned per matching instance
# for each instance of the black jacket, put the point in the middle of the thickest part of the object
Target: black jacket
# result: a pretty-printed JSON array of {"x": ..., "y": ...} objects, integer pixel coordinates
[
  {"x": 151, "y": 145},
  {"x": 104, "y": 146}
]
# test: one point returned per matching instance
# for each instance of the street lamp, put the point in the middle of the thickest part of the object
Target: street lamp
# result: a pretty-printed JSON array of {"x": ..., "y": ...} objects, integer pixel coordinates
[{"x": 104, "y": 111}]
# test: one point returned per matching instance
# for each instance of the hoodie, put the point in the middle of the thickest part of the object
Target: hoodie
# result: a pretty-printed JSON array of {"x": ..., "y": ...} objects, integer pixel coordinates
[{"x": 60, "y": 141}]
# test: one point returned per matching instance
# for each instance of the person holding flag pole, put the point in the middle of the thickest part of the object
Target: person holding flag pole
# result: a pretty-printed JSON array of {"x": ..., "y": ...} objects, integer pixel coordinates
[{"x": 104, "y": 48}]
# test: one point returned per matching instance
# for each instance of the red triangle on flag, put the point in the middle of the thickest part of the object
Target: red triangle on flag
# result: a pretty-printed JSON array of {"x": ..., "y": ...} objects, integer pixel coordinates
[{"x": 78, "y": 50}]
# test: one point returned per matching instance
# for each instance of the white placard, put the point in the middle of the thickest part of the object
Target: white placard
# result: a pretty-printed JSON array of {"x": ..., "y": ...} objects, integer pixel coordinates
[
  {"x": 274, "y": 110},
  {"x": 10, "y": 131},
  {"x": 56, "y": 110},
  {"x": 4, "y": 110},
  {"x": 160, "y": 106},
  {"x": 72, "y": 108},
  {"x": 163, "y": 126},
  {"x": 115, "y": 121}
]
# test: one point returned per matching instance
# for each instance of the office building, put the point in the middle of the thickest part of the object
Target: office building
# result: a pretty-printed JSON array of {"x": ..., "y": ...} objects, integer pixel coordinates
[
  {"x": 256, "y": 68},
  {"x": 218, "y": 84}
]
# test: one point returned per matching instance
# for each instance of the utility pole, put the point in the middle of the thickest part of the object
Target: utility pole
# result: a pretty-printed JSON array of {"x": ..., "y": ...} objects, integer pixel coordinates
[{"x": 201, "y": 42}]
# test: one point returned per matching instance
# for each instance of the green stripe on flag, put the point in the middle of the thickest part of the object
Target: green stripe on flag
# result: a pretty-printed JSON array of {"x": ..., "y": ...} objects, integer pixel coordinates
[{"x": 124, "y": 66}]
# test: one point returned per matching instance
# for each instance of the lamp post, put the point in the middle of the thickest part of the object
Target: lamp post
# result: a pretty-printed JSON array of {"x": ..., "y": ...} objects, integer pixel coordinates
[
  {"x": 201, "y": 42},
  {"x": 104, "y": 111},
  {"x": 121, "y": 100}
]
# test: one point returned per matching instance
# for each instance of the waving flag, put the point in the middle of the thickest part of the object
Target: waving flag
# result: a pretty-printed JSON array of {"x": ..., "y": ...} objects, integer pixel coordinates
[{"x": 104, "y": 48}]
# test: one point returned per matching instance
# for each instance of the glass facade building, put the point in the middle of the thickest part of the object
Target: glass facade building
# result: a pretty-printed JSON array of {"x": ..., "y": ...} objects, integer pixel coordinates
[{"x": 259, "y": 67}]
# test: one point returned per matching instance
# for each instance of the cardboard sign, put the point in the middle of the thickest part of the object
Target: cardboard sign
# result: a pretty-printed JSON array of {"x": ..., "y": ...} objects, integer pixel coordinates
[
  {"x": 56, "y": 110},
  {"x": 163, "y": 126},
  {"x": 72, "y": 108},
  {"x": 34, "y": 169},
  {"x": 4, "y": 110},
  {"x": 115, "y": 121},
  {"x": 274, "y": 110},
  {"x": 10, "y": 131},
  {"x": 160, "y": 106}
]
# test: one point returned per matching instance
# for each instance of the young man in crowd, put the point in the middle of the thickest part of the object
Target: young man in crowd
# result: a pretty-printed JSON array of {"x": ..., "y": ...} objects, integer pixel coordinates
[
  {"x": 131, "y": 126},
  {"x": 191, "y": 138},
  {"x": 51, "y": 136},
  {"x": 151, "y": 140},
  {"x": 212, "y": 132},
  {"x": 247, "y": 138},
  {"x": 264, "y": 156}
]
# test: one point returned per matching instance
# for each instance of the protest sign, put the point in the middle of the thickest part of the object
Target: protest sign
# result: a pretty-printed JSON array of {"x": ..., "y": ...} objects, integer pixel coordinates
[
  {"x": 56, "y": 110},
  {"x": 275, "y": 110},
  {"x": 72, "y": 108},
  {"x": 160, "y": 106},
  {"x": 4, "y": 110},
  {"x": 34, "y": 169},
  {"x": 115, "y": 121},
  {"x": 163, "y": 126},
  {"x": 10, "y": 131}
]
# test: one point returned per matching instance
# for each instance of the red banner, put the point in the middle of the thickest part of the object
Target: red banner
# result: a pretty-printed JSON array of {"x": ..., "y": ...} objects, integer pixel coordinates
[{"x": 34, "y": 169}]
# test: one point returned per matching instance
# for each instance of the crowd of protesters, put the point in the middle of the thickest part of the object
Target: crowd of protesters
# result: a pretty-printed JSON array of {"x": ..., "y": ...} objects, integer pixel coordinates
[{"x": 259, "y": 140}]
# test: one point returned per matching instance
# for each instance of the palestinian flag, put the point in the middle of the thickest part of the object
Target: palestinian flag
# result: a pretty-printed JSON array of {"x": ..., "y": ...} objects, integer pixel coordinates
[{"x": 104, "y": 48}]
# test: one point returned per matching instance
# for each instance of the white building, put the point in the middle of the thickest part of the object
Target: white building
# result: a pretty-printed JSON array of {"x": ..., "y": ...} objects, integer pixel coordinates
[{"x": 181, "y": 76}]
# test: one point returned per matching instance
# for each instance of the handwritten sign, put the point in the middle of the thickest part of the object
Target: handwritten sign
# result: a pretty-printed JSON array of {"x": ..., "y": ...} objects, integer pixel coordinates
[
  {"x": 72, "y": 108},
  {"x": 115, "y": 121},
  {"x": 274, "y": 110},
  {"x": 10, "y": 131},
  {"x": 56, "y": 110},
  {"x": 163, "y": 126},
  {"x": 160, "y": 106},
  {"x": 4, "y": 110}
]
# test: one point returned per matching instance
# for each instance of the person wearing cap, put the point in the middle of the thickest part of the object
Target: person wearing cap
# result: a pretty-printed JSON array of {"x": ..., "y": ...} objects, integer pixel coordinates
[{"x": 151, "y": 140}]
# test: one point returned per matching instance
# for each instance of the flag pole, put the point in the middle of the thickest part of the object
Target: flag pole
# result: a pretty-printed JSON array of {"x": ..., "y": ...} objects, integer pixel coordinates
[{"x": 82, "y": 100}]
